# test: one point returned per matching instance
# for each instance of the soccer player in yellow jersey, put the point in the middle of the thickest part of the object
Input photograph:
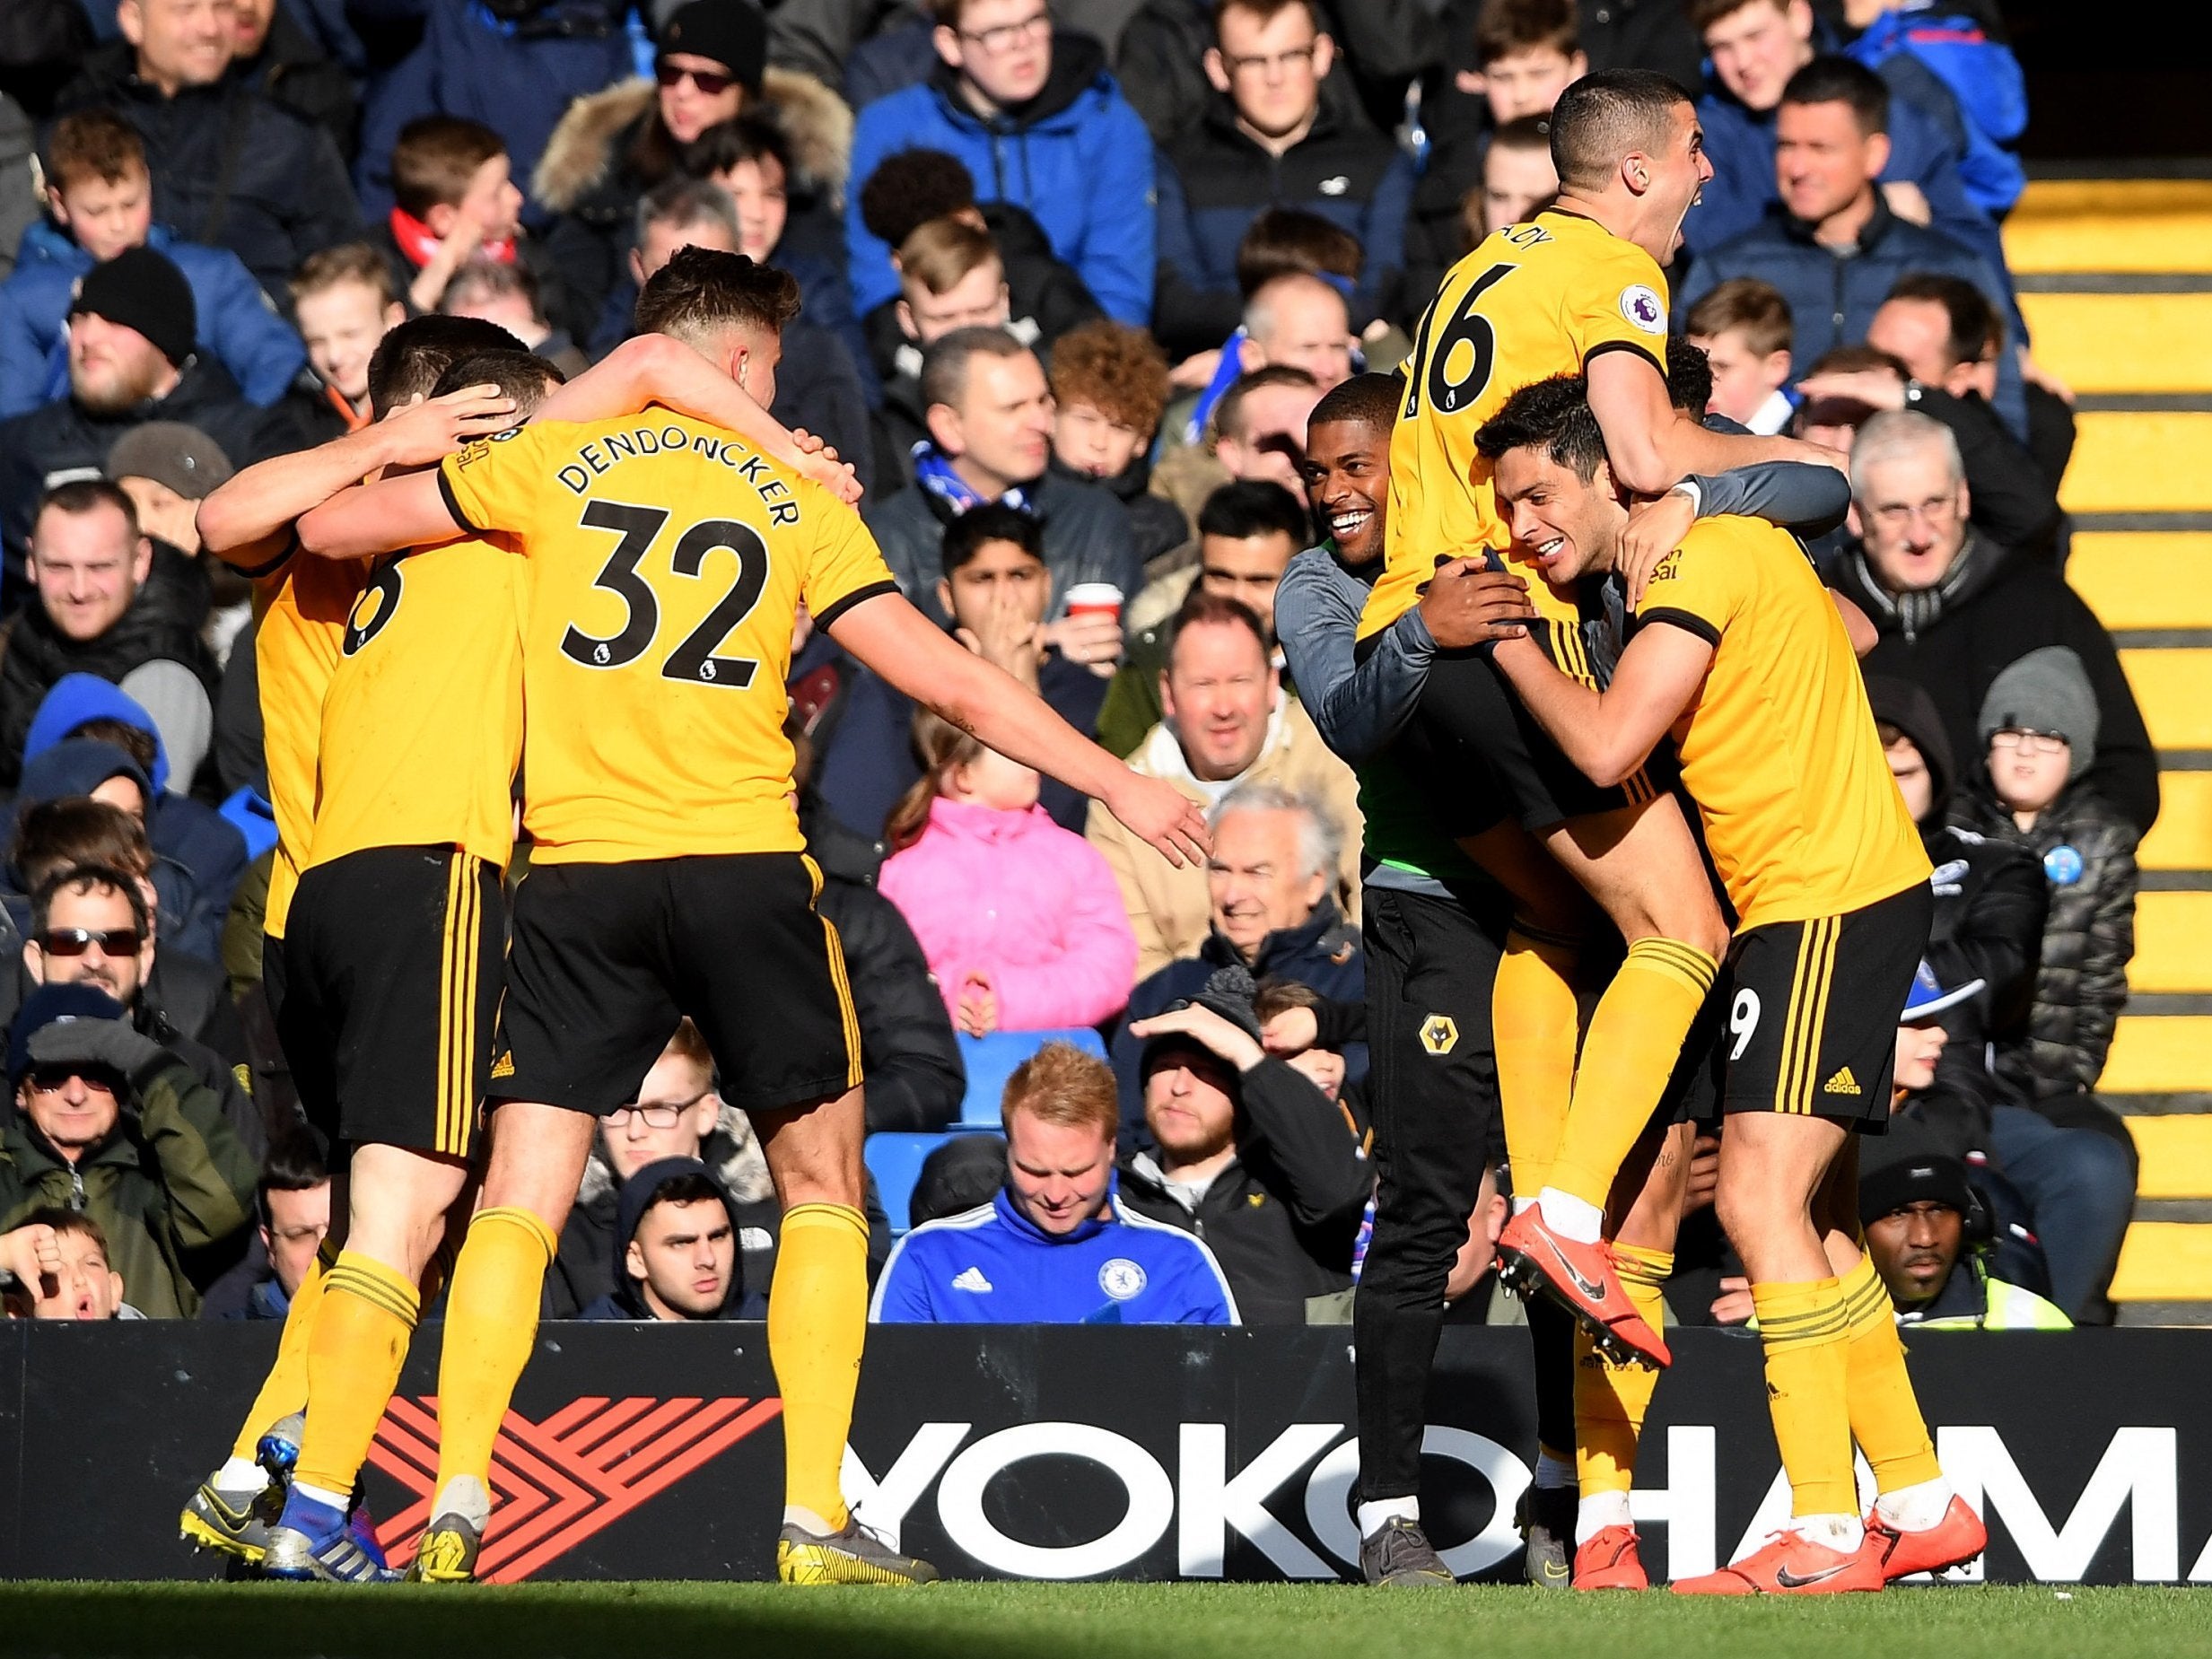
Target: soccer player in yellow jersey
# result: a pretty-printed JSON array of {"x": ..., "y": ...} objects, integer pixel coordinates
[
  {"x": 668, "y": 562},
  {"x": 1738, "y": 654},
  {"x": 1577, "y": 288},
  {"x": 300, "y": 608}
]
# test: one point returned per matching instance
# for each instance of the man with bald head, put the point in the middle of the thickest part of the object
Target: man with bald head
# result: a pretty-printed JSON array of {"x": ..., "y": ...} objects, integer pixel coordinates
[{"x": 1299, "y": 321}]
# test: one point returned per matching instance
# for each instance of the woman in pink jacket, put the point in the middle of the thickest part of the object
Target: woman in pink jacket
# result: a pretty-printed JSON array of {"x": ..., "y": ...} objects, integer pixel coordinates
[{"x": 1021, "y": 920}]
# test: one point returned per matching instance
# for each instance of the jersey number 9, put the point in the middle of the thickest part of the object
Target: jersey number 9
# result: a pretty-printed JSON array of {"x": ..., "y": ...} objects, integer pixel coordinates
[{"x": 692, "y": 662}]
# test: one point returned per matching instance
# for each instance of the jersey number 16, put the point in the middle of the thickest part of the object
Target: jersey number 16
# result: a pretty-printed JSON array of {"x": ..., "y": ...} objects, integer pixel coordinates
[{"x": 692, "y": 662}]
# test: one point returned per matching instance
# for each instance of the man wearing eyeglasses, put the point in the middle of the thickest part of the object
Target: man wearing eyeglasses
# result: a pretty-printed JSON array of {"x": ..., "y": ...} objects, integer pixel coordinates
[
  {"x": 89, "y": 926},
  {"x": 109, "y": 1122},
  {"x": 1267, "y": 140},
  {"x": 1953, "y": 608},
  {"x": 1039, "y": 123}
]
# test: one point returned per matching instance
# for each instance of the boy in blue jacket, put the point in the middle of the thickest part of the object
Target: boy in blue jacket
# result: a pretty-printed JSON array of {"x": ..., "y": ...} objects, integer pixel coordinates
[{"x": 100, "y": 195}]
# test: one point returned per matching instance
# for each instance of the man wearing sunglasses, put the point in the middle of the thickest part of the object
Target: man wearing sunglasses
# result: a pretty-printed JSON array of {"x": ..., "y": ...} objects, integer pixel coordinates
[
  {"x": 110, "y": 1122},
  {"x": 89, "y": 926},
  {"x": 1038, "y": 122}
]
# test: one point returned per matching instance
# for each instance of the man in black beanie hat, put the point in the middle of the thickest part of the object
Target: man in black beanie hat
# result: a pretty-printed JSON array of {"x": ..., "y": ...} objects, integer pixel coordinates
[
  {"x": 1927, "y": 1235},
  {"x": 1249, "y": 1153},
  {"x": 131, "y": 361}
]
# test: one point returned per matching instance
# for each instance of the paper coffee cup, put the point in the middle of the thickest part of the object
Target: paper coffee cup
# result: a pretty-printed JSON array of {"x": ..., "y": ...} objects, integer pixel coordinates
[{"x": 1094, "y": 598}]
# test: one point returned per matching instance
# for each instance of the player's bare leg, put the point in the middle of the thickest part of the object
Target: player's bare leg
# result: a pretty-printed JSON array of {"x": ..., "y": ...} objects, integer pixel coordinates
[
  {"x": 1612, "y": 1396},
  {"x": 817, "y": 1321},
  {"x": 396, "y": 1203},
  {"x": 1918, "y": 1521},
  {"x": 1640, "y": 866},
  {"x": 1774, "y": 1167},
  {"x": 536, "y": 1160}
]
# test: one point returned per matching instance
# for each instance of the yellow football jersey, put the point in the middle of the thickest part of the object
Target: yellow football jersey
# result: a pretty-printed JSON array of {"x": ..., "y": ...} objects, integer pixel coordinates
[
  {"x": 1532, "y": 301},
  {"x": 421, "y": 728},
  {"x": 667, "y": 563},
  {"x": 1779, "y": 747},
  {"x": 300, "y": 604}
]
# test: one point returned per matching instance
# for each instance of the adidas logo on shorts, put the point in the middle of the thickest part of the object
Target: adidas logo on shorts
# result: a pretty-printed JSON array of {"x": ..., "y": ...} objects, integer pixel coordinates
[{"x": 1843, "y": 1083}]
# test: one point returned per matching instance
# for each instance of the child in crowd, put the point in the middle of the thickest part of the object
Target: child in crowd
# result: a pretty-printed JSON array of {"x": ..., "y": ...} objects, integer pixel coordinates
[
  {"x": 2039, "y": 722},
  {"x": 1110, "y": 382},
  {"x": 1518, "y": 180},
  {"x": 454, "y": 201},
  {"x": 1744, "y": 327},
  {"x": 346, "y": 302},
  {"x": 99, "y": 194},
  {"x": 1021, "y": 920},
  {"x": 1528, "y": 53},
  {"x": 59, "y": 1260}
]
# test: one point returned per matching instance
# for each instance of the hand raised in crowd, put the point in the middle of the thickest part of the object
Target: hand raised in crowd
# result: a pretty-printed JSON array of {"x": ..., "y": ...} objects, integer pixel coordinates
[
  {"x": 1876, "y": 390},
  {"x": 33, "y": 1255},
  {"x": 1655, "y": 529},
  {"x": 1202, "y": 1025},
  {"x": 820, "y": 462},
  {"x": 1156, "y": 812},
  {"x": 428, "y": 430},
  {"x": 1466, "y": 604},
  {"x": 978, "y": 1005},
  {"x": 1007, "y": 638},
  {"x": 1291, "y": 1032},
  {"x": 1093, "y": 639}
]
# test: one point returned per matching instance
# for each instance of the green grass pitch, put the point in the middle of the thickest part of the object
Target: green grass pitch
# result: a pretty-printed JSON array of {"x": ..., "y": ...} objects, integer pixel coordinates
[{"x": 1088, "y": 1621}]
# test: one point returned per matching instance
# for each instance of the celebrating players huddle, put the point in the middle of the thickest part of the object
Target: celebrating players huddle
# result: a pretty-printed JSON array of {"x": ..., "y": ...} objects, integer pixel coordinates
[{"x": 1572, "y": 662}]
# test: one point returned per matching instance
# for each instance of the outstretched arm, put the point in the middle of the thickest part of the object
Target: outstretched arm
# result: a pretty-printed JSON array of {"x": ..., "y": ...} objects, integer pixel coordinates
[
  {"x": 383, "y": 517},
  {"x": 248, "y": 521},
  {"x": 653, "y": 368},
  {"x": 1652, "y": 445},
  {"x": 1607, "y": 733},
  {"x": 893, "y": 638}
]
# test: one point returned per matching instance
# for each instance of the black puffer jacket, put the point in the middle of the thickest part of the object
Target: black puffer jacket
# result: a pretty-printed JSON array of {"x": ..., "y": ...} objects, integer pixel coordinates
[
  {"x": 2088, "y": 856},
  {"x": 232, "y": 168},
  {"x": 1282, "y": 1216}
]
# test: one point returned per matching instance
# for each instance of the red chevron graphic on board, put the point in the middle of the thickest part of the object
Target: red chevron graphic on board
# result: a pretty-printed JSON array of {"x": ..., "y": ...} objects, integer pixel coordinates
[{"x": 555, "y": 1484}]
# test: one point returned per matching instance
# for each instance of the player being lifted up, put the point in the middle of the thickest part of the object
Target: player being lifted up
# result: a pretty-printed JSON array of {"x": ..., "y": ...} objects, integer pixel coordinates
[
  {"x": 1739, "y": 653},
  {"x": 405, "y": 816},
  {"x": 669, "y": 560},
  {"x": 1577, "y": 288}
]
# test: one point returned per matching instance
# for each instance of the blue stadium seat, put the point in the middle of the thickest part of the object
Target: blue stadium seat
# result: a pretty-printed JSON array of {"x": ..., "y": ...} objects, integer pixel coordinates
[
  {"x": 992, "y": 1059},
  {"x": 895, "y": 1158}
]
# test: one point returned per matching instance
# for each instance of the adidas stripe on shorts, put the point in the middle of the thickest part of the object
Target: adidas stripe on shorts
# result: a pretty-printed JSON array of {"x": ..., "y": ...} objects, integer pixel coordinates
[{"x": 1810, "y": 1020}]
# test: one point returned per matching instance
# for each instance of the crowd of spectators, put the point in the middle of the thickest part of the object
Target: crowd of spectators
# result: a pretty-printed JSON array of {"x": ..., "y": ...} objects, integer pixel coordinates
[{"x": 1075, "y": 275}]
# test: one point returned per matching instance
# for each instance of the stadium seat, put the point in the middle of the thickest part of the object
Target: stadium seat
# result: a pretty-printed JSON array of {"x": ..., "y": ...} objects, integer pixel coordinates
[
  {"x": 895, "y": 1158},
  {"x": 2114, "y": 278},
  {"x": 992, "y": 1059}
]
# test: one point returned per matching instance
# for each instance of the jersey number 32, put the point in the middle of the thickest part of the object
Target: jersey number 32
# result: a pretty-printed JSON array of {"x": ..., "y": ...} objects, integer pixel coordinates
[{"x": 692, "y": 662}]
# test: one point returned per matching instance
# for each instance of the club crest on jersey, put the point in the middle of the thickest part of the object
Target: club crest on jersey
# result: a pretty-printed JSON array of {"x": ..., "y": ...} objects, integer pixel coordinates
[
  {"x": 1643, "y": 308},
  {"x": 1121, "y": 1279}
]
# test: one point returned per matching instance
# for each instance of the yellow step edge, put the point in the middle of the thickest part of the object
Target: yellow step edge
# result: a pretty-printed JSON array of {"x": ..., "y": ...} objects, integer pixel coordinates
[
  {"x": 2065, "y": 197},
  {"x": 2182, "y": 839},
  {"x": 2162, "y": 1054},
  {"x": 2173, "y": 943},
  {"x": 2123, "y": 342},
  {"x": 2164, "y": 1261},
  {"x": 2177, "y": 1155},
  {"x": 2140, "y": 463},
  {"x": 2144, "y": 578},
  {"x": 2175, "y": 688},
  {"x": 2095, "y": 224}
]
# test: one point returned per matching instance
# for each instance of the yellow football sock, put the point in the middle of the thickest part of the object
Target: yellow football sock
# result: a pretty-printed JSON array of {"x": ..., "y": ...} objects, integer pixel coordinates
[
  {"x": 353, "y": 1364},
  {"x": 1803, "y": 1329},
  {"x": 1635, "y": 1039},
  {"x": 1611, "y": 1400},
  {"x": 1886, "y": 1416},
  {"x": 491, "y": 1322},
  {"x": 1534, "y": 1018},
  {"x": 284, "y": 1390},
  {"x": 817, "y": 1318}
]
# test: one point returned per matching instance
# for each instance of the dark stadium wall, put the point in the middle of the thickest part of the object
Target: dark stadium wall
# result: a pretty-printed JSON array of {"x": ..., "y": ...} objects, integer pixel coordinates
[{"x": 1049, "y": 1453}]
